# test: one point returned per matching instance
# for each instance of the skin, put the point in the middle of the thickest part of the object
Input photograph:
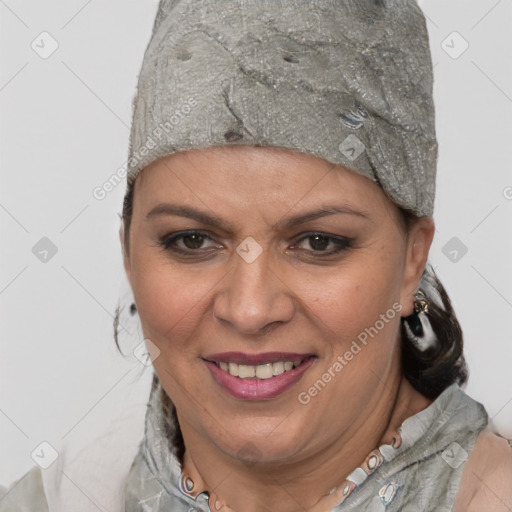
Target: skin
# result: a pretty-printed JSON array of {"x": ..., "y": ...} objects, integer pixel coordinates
[
  {"x": 291, "y": 299},
  {"x": 486, "y": 482}
]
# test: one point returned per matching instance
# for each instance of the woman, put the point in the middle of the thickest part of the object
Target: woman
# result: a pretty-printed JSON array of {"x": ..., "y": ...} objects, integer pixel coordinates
[{"x": 276, "y": 231}]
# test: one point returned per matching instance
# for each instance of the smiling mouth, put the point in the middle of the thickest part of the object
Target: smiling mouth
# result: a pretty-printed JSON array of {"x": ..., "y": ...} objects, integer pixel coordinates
[{"x": 261, "y": 371}]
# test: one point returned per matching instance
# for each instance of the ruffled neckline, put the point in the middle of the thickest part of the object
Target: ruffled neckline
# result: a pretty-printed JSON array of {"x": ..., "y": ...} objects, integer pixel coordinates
[{"x": 412, "y": 433}]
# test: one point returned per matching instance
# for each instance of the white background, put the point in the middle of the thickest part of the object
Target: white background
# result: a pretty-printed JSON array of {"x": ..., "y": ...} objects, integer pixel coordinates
[{"x": 64, "y": 129}]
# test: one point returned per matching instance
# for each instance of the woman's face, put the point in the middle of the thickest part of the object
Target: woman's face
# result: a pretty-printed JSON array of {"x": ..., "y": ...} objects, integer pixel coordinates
[{"x": 253, "y": 259}]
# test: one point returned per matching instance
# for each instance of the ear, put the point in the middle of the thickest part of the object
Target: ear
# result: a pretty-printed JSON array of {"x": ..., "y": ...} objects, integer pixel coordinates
[
  {"x": 126, "y": 258},
  {"x": 418, "y": 246}
]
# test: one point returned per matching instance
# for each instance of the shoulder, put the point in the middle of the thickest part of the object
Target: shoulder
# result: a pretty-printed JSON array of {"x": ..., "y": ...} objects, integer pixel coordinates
[
  {"x": 26, "y": 493},
  {"x": 486, "y": 482}
]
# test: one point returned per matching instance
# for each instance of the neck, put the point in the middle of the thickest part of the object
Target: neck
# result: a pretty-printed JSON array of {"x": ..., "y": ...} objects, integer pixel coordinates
[{"x": 299, "y": 486}]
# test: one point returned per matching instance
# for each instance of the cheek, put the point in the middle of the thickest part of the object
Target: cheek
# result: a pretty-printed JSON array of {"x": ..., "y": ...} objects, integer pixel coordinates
[
  {"x": 357, "y": 312},
  {"x": 170, "y": 301},
  {"x": 170, "y": 305},
  {"x": 352, "y": 297}
]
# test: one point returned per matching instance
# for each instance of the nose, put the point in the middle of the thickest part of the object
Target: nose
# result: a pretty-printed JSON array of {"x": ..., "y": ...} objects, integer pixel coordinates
[{"x": 254, "y": 296}]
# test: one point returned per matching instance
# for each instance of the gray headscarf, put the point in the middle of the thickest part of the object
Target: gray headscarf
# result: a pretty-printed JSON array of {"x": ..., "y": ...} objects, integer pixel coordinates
[{"x": 349, "y": 81}]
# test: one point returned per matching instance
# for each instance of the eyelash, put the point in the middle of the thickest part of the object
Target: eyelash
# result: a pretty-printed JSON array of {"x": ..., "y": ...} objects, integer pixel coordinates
[{"x": 167, "y": 242}]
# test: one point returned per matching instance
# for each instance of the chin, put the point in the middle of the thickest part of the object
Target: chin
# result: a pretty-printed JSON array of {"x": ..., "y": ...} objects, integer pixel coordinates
[{"x": 264, "y": 448}]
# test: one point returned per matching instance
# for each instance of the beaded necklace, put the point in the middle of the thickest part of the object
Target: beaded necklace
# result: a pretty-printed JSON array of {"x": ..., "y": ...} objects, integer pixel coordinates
[{"x": 369, "y": 465}]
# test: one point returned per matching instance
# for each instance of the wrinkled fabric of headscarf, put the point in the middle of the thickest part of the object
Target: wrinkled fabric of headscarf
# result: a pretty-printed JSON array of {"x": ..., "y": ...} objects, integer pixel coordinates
[{"x": 349, "y": 81}]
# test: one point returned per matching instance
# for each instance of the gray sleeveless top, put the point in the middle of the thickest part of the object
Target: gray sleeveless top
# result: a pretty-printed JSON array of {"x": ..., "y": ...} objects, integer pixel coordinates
[{"x": 421, "y": 474}]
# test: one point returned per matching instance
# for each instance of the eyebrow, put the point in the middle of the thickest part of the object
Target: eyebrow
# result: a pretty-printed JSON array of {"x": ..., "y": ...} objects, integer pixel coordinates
[{"x": 212, "y": 220}]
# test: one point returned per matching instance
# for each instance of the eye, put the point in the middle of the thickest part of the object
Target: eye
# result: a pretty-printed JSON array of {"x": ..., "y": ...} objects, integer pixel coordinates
[
  {"x": 185, "y": 242},
  {"x": 320, "y": 242},
  {"x": 190, "y": 242}
]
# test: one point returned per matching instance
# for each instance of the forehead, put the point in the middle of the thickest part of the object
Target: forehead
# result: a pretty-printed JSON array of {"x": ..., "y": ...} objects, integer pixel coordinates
[{"x": 259, "y": 176}]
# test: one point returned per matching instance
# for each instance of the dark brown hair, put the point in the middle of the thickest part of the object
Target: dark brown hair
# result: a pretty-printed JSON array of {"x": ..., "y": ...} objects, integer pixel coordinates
[{"x": 430, "y": 369}]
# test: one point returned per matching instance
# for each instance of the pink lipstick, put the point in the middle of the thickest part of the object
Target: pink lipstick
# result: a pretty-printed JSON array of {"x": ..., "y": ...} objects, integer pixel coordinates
[{"x": 257, "y": 376}]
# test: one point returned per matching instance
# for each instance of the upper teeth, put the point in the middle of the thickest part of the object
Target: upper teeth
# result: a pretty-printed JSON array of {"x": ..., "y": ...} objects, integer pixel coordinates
[{"x": 261, "y": 371}]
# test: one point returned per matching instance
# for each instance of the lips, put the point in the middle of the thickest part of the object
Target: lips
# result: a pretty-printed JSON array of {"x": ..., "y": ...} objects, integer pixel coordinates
[{"x": 257, "y": 376}]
